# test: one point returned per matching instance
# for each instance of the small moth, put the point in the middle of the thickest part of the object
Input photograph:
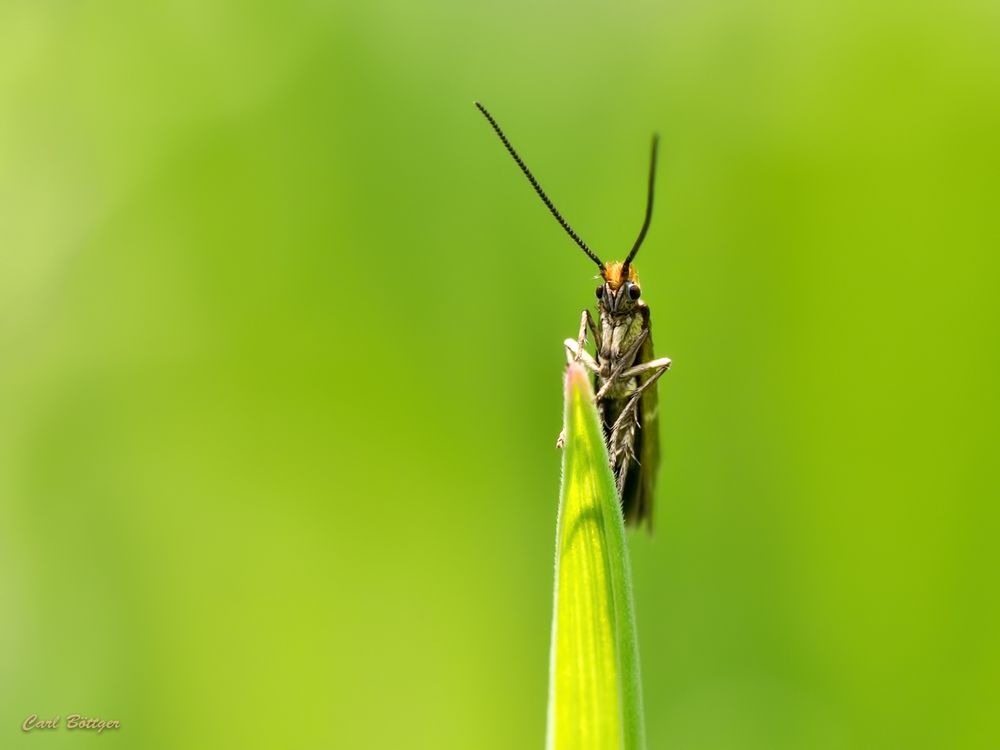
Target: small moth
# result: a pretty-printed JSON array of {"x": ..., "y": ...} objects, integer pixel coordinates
[{"x": 625, "y": 370}]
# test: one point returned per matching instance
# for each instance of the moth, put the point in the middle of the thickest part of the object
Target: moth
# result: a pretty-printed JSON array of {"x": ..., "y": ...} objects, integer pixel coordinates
[{"x": 625, "y": 370}]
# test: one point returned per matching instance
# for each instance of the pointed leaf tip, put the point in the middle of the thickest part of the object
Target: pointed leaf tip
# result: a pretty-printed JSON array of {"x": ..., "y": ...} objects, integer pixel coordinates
[{"x": 576, "y": 377}]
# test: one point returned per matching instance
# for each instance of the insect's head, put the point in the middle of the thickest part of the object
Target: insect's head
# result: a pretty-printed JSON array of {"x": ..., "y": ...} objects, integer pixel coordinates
[{"x": 619, "y": 293}]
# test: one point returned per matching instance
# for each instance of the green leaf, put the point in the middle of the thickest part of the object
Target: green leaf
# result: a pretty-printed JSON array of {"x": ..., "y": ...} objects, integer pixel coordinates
[{"x": 595, "y": 698}]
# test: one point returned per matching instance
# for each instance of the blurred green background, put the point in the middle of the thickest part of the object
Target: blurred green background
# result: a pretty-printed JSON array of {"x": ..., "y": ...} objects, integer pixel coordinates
[{"x": 280, "y": 362}]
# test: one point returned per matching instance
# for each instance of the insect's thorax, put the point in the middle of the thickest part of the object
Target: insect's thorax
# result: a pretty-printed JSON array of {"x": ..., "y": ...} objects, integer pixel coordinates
[{"x": 618, "y": 334}]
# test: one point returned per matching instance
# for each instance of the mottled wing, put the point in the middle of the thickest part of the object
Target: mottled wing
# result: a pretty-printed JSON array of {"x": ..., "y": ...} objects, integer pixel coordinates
[{"x": 637, "y": 495}]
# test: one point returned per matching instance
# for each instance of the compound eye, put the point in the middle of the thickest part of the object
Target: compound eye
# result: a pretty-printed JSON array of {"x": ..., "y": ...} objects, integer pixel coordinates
[
  {"x": 634, "y": 291},
  {"x": 600, "y": 291}
]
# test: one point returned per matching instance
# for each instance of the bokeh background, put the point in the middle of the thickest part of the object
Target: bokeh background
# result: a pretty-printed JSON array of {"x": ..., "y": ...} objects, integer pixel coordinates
[{"x": 280, "y": 362}]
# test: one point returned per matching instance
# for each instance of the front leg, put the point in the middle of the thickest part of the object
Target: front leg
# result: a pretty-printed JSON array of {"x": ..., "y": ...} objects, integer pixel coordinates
[
  {"x": 586, "y": 321},
  {"x": 576, "y": 352}
]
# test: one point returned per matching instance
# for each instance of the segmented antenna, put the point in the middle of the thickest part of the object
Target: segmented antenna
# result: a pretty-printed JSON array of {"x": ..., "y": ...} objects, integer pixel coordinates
[
  {"x": 541, "y": 193},
  {"x": 649, "y": 208}
]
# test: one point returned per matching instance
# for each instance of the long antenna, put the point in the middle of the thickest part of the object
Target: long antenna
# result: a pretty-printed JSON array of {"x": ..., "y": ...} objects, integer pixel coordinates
[
  {"x": 541, "y": 193},
  {"x": 649, "y": 208}
]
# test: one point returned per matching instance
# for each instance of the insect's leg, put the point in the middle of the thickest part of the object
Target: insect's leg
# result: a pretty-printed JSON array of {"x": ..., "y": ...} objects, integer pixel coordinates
[
  {"x": 621, "y": 448},
  {"x": 581, "y": 338},
  {"x": 663, "y": 363},
  {"x": 576, "y": 353},
  {"x": 587, "y": 322},
  {"x": 593, "y": 329},
  {"x": 617, "y": 372},
  {"x": 660, "y": 366}
]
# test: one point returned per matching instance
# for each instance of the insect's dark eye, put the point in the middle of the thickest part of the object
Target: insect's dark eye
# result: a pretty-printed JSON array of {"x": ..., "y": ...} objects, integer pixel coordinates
[
  {"x": 600, "y": 291},
  {"x": 634, "y": 291}
]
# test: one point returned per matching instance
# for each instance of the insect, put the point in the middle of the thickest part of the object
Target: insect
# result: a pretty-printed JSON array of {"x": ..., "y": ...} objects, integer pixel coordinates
[{"x": 625, "y": 370}]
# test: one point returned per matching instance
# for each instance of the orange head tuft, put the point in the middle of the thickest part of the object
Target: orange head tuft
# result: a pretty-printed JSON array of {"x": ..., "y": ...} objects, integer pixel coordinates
[{"x": 614, "y": 276}]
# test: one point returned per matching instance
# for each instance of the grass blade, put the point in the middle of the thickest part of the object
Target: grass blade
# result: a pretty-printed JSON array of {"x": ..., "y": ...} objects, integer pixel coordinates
[{"x": 595, "y": 699}]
